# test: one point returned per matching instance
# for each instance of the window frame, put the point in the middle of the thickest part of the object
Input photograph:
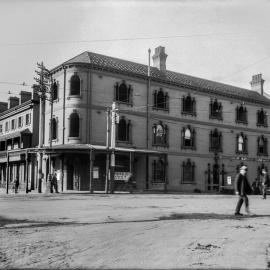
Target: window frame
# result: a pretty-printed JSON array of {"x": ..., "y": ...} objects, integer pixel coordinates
[
  {"x": 165, "y": 142},
  {"x": 165, "y": 101},
  {"x": 212, "y": 115},
  {"x": 192, "y": 168},
  {"x": 245, "y": 144},
  {"x": 184, "y": 110},
  {"x": 127, "y": 131},
  {"x": 237, "y": 116},
  {"x": 158, "y": 173},
  {"x": 211, "y": 143},
  {"x": 265, "y": 119},
  {"x": 192, "y": 145}
]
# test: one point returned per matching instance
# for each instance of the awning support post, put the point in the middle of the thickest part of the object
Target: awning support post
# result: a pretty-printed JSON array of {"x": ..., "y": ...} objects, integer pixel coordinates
[
  {"x": 91, "y": 157},
  {"x": 165, "y": 173}
]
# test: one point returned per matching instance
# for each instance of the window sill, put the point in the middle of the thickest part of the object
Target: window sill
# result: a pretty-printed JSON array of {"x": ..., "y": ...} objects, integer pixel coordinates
[
  {"x": 189, "y": 113},
  {"x": 160, "y": 145},
  {"x": 188, "y": 147},
  {"x": 215, "y": 150},
  {"x": 188, "y": 183},
  {"x": 124, "y": 103},
  {"x": 74, "y": 96},
  {"x": 241, "y": 122},
  {"x": 262, "y": 125},
  {"x": 262, "y": 154},
  {"x": 241, "y": 152},
  {"x": 160, "y": 109},
  {"x": 220, "y": 118}
]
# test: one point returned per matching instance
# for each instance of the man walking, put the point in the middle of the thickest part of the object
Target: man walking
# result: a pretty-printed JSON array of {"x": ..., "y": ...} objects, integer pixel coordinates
[
  {"x": 243, "y": 188},
  {"x": 264, "y": 179}
]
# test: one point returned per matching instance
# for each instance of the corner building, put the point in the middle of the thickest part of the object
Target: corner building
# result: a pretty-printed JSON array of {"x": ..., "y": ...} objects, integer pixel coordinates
[{"x": 174, "y": 132}]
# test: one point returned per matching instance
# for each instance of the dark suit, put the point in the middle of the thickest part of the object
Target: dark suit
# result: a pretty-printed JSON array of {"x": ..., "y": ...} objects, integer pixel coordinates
[{"x": 243, "y": 188}]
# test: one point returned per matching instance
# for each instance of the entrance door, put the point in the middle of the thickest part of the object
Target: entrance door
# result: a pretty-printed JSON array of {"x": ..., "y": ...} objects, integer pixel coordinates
[{"x": 70, "y": 174}]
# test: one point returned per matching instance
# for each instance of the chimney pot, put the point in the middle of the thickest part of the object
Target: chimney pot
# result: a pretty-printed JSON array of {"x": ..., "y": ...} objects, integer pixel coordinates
[
  {"x": 257, "y": 83},
  {"x": 13, "y": 101},
  {"x": 159, "y": 58}
]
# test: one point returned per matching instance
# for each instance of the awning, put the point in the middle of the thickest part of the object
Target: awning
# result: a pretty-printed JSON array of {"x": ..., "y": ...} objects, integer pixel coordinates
[{"x": 15, "y": 134}]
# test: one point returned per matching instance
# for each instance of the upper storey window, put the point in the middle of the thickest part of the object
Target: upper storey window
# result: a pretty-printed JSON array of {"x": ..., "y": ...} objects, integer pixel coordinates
[
  {"x": 188, "y": 105},
  {"x": 215, "y": 110},
  {"x": 215, "y": 141},
  {"x": 241, "y": 114},
  {"x": 54, "y": 91},
  {"x": 262, "y": 146},
  {"x": 161, "y": 100},
  {"x": 123, "y": 93},
  {"x": 241, "y": 144},
  {"x": 74, "y": 125},
  {"x": 160, "y": 134},
  {"x": 123, "y": 130},
  {"x": 75, "y": 85},
  {"x": 188, "y": 138},
  {"x": 262, "y": 118}
]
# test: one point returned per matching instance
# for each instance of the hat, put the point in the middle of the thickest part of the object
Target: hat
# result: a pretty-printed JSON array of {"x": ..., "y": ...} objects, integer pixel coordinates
[
  {"x": 263, "y": 171},
  {"x": 243, "y": 168}
]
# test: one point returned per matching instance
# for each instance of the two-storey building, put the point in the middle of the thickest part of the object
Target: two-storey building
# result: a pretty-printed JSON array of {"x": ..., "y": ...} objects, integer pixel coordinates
[
  {"x": 19, "y": 131},
  {"x": 174, "y": 131}
]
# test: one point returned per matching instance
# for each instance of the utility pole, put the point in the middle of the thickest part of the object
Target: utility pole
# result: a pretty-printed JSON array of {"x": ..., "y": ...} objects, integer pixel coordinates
[
  {"x": 113, "y": 148},
  {"x": 107, "y": 151},
  {"x": 41, "y": 88}
]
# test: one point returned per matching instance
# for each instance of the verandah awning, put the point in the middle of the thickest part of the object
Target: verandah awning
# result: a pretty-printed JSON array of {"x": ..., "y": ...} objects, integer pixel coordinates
[{"x": 15, "y": 134}]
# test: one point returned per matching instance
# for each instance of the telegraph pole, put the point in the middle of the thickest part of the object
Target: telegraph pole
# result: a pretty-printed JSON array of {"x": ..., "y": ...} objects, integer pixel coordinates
[
  {"x": 107, "y": 151},
  {"x": 41, "y": 88},
  {"x": 113, "y": 148}
]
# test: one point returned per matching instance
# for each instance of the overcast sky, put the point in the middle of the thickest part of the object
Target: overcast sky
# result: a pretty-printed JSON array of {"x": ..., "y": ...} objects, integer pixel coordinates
[{"x": 222, "y": 40}]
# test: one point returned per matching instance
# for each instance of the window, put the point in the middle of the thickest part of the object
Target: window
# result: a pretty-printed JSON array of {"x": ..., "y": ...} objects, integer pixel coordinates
[
  {"x": 188, "y": 168},
  {"x": 20, "y": 121},
  {"x": 122, "y": 92},
  {"x": 75, "y": 85},
  {"x": 1, "y": 129},
  {"x": 54, "y": 129},
  {"x": 241, "y": 144},
  {"x": 160, "y": 134},
  {"x": 7, "y": 126},
  {"x": 54, "y": 91},
  {"x": 158, "y": 171},
  {"x": 261, "y": 118},
  {"x": 262, "y": 146},
  {"x": 74, "y": 125},
  {"x": 215, "y": 110},
  {"x": 215, "y": 141},
  {"x": 161, "y": 100},
  {"x": 123, "y": 130},
  {"x": 188, "y": 138},
  {"x": 13, "y": 124},
  {"x": 27, "y": 119},
  {"x": 241, "y": 114},
  {"x": 188, "y": 105}
]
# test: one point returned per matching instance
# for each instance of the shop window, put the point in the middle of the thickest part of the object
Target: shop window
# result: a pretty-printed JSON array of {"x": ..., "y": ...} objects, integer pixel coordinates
[
  {"x": 262, "y": 146},
  {"x": 188, "y": 105},
  {"x": 241, "y": 114},
  {"x": 215, "y": 110},
  {"x": 188, "y": 169},
  {"x": 158, "y": 171},
  {"x": 74, "y": 125},
  {"x": 123, "y": 129},
  {"x": 123, "y": 93},
  {"x": 75, "y": 85},
  {"x": 54, "y": 91},
  {"x": 188, "y": 138},
  {"x": 160, "y": 134},
  {"x": 262, "y": 118},
  {"x": 241, "y": 144},
  {"x": 215, "y": 141},
  {"x": 161, "y": 100}
]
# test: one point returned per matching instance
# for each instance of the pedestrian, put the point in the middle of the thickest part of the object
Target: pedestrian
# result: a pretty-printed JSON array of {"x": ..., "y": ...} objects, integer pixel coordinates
[
  {"x": 16, "y": 183},
  {"x": 243, "y": 188},
  {"x": 264, "y": 179},
  {"x": 54, "y": 183}
]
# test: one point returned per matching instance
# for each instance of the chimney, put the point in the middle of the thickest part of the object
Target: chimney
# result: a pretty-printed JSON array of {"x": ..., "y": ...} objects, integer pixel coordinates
[
  {"x": 159, "y": 58},
  {"x": 13, "y": 101},
  {"x": 257, "y": 83},
  {"x": 3, "y": 106},
  {"x": 25, "y": 96}
]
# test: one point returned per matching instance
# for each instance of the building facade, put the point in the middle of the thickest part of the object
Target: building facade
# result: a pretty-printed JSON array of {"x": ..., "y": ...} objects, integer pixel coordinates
[
  {"x": 174, "y": 132},
  {"x": 19, "y": 131}
]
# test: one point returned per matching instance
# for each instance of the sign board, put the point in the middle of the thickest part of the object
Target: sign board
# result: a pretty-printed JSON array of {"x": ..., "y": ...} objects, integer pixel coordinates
[
  {"x": 122, "y": 176},
  {"x": 95, "y": 172},
  {"x": 229, "y": 180}
]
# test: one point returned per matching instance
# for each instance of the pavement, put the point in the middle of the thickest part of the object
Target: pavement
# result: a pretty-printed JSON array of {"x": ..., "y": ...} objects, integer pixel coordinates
[{"x": 132, "y": 231}]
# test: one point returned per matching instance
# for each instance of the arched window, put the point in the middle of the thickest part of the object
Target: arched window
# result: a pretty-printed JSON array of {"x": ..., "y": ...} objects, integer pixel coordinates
[
  {"x": 188, "y": 171},
  {"x": 215, "y": 141},
  {"x": 123, "y": 130},
  {"x": 75, "y": 85},
  {"x": 74, "y": 125},
  {"x": 188, "y": 105},
  {"x": 262, "y": 118},
  {"x": 215, "y": 110},
  {"x": 54, "y": 129},
  {"x": 54, "y": 91},
  {"x": 262, "y": 146},
  {"x": 160, "y": 134},
  {"x": 240, "y": 143},
  {"x": 158, "y": 171},
  {"x": 241, "y": 114},
  {"x": 188, "y": 138},
  {"x": 123, "y": 93},
  {"x": 161, "y": 100}
]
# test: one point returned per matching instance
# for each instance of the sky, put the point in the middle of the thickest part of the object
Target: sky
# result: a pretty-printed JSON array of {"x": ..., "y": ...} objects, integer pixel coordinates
[{"x": 222, "y": 40}]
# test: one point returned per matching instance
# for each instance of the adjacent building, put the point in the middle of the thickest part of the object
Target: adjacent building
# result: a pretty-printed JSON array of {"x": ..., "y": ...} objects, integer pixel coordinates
[{"x": 174, "y": 131}]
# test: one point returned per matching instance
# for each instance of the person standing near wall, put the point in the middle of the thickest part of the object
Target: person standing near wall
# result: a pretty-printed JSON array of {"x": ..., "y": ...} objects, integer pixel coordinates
[{"x": 264, "y": 180}]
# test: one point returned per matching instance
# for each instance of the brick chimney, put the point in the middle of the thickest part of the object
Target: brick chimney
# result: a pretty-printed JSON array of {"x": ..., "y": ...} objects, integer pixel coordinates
[
  {"x": 13, "y": 101},
  {"x": 159, "y": 58},
  {"x": 3, "y": 106},
  {"x": 25, "y": 96},
  {"x": 257, "y": 83}
]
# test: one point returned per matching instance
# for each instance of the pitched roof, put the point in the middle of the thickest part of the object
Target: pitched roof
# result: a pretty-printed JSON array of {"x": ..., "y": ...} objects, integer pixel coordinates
[{"x": 107, "y": 63}]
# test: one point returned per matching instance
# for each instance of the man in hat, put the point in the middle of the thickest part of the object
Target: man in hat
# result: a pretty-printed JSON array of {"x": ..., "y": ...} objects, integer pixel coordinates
[
  {"x": 242, "y": 188},
  {"x": 264, "y": 179}
]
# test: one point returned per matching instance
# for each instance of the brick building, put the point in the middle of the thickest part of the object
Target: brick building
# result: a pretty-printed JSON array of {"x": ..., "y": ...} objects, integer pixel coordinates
[{"x": 19, "y": 118}]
